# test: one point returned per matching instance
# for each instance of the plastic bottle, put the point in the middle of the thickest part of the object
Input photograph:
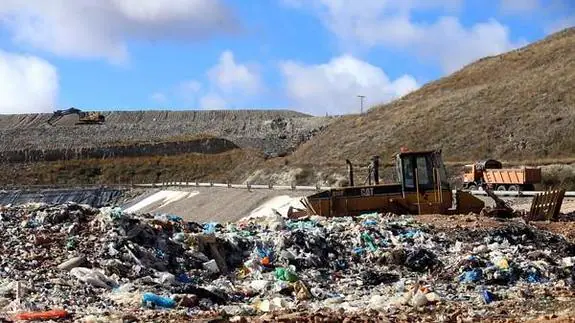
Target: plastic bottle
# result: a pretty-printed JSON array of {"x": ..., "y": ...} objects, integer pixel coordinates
[{"x": 151, "y": 298}]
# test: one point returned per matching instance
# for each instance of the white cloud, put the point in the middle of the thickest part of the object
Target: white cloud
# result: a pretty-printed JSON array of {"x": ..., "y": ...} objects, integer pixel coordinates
[
  {"x": 27, "y": 84},
  {"x": 100, "y": 29},
  {"x": 374, "y": 6},
  {"x": 333, "y": 87},
  {"x": 192, "y": 86},
  {"x": 188, "y": 91},
  {"x": 454, "y": 46},
  {"x": 159, "y": 97},
  {"x": 229, "y": 83},
  {"x": 230, "y": 76},
  {"x": 374, "y": 22},
  {"x": 391, "y": 24}
]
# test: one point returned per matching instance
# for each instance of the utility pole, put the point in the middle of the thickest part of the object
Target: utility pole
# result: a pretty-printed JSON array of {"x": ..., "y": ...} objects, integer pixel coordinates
[{"x": 361, "y": 97}]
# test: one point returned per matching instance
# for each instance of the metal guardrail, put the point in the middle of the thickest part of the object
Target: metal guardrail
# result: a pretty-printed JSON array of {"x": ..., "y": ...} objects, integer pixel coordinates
[
  {"x": 240, "y": 186},
  {"x": 518, "y": 193},
  {"x": 321, "y": 188},
  {"x": 254, "y": 186}
]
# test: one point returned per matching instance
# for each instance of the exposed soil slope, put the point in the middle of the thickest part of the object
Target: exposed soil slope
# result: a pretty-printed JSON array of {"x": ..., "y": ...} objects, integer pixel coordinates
[{"x": 516, "y": 106}]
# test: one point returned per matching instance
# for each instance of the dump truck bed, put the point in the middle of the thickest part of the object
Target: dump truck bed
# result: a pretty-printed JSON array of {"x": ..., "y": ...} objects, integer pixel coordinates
[{"x": 518, "y": 176}]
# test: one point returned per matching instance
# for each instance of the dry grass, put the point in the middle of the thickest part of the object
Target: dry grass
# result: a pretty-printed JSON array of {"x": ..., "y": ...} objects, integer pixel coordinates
[
  {"x": 159, "y": 140},
  {"x": 230, "y": 165},
  {"x": 558, "y": 176},
  {"x": 516, "y": 106}
]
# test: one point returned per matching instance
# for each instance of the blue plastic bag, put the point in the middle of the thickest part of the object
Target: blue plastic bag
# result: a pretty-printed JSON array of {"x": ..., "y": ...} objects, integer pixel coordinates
[{"x": 153, "y": 299}]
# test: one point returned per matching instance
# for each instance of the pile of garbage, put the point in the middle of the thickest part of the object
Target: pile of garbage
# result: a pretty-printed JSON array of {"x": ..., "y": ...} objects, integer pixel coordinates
[{"x": 74, "y": 260}]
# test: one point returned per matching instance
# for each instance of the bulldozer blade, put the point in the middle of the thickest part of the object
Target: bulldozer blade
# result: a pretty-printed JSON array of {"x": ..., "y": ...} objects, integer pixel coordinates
[{"x": 467, "y": 203}]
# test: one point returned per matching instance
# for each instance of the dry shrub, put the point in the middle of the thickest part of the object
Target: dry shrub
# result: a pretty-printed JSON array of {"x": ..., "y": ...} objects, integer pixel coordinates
[{"x": 558, "y": 176}]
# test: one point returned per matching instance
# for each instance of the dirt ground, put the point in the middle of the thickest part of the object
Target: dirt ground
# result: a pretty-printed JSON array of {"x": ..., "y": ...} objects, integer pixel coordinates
[
  {"x": 454, "y": 222},
  {"x": 216, "y": 204},
  {"x": 565, "y": 226}
]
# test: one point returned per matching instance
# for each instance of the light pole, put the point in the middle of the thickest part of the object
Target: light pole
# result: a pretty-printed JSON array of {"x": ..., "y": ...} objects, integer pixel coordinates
[{"x": 361, "y": 97}]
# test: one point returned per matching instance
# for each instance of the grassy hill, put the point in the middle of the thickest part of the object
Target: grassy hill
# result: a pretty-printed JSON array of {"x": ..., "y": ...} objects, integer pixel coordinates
[
  {"x": 516, "y": 106},
  {"x": 230, "y": 165}
]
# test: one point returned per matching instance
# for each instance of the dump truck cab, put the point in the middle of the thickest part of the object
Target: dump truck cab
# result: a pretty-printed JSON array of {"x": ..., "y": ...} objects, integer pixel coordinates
[
  {"x": 421, "y": 187},
  {"x": 469, "y": 174},
  {"x": 473, "y": 174}
]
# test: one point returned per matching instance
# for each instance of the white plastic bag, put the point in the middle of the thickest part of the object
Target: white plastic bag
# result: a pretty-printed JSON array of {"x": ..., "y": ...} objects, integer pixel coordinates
[{"x": 92, "y": 277}]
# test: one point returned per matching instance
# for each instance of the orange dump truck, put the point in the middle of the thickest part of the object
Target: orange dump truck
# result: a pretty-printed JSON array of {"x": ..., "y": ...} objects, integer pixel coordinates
[{"x": 490, "y": 173}]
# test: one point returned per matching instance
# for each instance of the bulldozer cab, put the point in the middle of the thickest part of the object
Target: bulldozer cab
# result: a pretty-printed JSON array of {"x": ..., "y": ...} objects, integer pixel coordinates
[{"x": 421, "y": 171}]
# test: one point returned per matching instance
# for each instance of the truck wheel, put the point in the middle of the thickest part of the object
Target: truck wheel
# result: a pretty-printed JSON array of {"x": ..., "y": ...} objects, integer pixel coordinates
[
  {"x": 513, "y": 188},
  {"x": 501, "y": 188}
]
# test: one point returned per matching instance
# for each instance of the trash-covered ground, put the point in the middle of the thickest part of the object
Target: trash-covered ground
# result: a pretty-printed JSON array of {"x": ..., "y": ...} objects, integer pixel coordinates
[{"x": 102, "y": 265}]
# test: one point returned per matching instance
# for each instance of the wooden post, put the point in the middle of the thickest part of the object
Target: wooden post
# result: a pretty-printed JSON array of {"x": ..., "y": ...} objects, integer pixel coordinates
[{"x": 417, "y": 191}]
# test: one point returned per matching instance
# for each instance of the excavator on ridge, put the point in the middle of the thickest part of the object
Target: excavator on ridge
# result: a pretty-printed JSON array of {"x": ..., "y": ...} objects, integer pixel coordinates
[{"x": 83, "y": 117}]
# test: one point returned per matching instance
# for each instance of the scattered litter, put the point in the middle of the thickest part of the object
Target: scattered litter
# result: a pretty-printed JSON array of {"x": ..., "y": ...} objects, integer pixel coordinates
[{"x": 97, "y": 263}]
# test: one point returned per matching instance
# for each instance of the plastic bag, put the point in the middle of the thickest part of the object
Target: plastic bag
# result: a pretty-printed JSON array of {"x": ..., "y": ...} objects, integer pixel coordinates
[
  {"x": 155, "y": 300},
  {"x": 93, "y": 277},
  {"x": 285, "y": 275}
]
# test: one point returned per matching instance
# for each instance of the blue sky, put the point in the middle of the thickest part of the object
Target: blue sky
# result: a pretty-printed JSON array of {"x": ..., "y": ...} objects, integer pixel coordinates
[{"x": 309, "y": 55}]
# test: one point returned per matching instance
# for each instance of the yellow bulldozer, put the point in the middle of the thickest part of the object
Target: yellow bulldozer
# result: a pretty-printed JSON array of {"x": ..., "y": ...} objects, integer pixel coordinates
[
  {"x": 422, "y": 188},
  {"x": 83, "y": 117}
]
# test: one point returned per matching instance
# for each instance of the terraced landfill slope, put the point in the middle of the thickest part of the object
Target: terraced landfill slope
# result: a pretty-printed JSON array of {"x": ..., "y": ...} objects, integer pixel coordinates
[
  {"x": 272, "y": 131},
  {"x": 515, "y": 106}
]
